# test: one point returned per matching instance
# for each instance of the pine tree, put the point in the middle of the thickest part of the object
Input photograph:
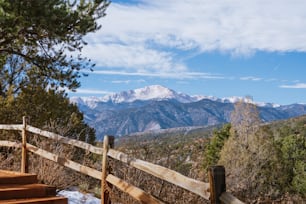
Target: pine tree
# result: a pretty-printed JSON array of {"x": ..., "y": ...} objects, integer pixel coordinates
[
  {"x": 42, "y": 36},
  {"x": 213, "y": 149}
]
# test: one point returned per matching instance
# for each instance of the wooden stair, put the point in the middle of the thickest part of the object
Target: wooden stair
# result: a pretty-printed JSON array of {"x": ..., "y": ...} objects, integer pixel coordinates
[{"x": 24, "y": 188}]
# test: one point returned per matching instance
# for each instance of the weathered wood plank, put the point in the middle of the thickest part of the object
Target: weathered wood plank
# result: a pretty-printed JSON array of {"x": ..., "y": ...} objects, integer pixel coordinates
[
  {"x": 197, "y": 187},
  {"x": 5, "y": 143},
  {"x": 228, "y": 198},
  {"x": 11, "y": 127},
  {"x": 133, "y": 191},
  {"x": 65, "y": 162},
  {"x": 65, "y": 140}
]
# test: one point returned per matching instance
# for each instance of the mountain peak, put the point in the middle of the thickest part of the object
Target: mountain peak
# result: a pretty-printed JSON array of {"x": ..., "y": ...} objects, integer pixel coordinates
[{"x": 153, "y": 92}]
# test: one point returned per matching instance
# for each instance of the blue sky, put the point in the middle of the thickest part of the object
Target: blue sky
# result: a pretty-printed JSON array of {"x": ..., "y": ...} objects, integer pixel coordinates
[{"x": 201, "y": 47}]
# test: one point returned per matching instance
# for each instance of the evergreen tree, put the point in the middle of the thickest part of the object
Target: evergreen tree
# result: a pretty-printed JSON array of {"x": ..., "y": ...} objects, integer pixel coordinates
[
  {"x": 213, "y": 149},
  {"x": 291, "y": 147},
  {"x": 47, "y": 109},
  {"x": 42, "y": 36},
  {"x": 40, "y": 46}
]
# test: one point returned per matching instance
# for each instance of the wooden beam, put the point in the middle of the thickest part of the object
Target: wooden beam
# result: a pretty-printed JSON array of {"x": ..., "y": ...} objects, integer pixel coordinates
[
  {"x": 11, "y": 127},
  {"x": 5, "y": 143},
  {"x": 65, "y": 140},
  {"x": 192, "y": 185},
  {"x": 136, "y": 193},
  {"x": 65, "y": 162}
]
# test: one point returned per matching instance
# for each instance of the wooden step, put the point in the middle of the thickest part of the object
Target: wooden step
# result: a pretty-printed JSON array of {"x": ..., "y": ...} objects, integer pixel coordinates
[
  {"x": 10, "y": 177},
  {"x": 48, "y": 200},
  {"x": 13, "y": 191},
  {"x": 19, "y": 188}
]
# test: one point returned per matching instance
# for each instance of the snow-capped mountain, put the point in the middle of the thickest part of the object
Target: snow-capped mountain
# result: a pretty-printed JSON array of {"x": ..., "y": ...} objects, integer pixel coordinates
[
  {"x": 157, "y": 93},
  {"x": 90, "y": 102},
  {"x": 157, "y": 107},
  {"x": 154, "y": 92},
  {"x": 235, "y": 99}
]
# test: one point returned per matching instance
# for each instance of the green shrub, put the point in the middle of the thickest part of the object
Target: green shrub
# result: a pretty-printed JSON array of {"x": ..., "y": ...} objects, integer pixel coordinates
[
  {"x": 213, "y": 149},
  {"x": 293, "y": 159}
]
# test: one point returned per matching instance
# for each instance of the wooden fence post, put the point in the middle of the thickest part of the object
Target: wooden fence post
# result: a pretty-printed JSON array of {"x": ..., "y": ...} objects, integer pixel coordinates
[
  {"x": 108, "y": 142},
  {"x": 24, "y": 165},
  {"x": 217, "y": 183}
]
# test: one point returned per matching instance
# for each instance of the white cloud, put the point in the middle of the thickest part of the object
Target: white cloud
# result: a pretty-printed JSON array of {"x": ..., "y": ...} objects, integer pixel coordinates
[
  {"x": 295, "y": 86},
  {"x": 235, "y": 25},
  {"x": 92, "y": 91},
  {"x": 250, "y": 78},
  {"x": 132, "y": 57},
  {"x": 172, "y": 75},
  {"x": 127, "y": 81},
  {"x": 143, "y": 37}
]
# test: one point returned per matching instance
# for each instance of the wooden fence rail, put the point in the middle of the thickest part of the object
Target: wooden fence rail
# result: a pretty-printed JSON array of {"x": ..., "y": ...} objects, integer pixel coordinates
[
  {"x": 198, "y": 187},
  {"x": 215, "y": 190}
]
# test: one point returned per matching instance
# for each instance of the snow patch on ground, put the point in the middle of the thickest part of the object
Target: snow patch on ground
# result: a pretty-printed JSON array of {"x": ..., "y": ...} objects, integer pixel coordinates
[{"x": 75, "y": 197}]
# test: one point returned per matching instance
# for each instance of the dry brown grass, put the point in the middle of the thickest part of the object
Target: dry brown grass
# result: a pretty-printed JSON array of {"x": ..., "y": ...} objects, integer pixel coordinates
[
  {"x": 49, "y": 172},
  {"x": 166, "y": 192}
]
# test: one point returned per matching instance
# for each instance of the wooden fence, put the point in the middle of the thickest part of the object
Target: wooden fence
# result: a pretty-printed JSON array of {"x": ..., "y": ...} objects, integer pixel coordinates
[{"x": 215, "y": 190}]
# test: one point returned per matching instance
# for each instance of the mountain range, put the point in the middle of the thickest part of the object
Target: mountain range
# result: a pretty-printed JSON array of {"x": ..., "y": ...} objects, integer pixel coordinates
[{"x": 156, "y": 107}]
